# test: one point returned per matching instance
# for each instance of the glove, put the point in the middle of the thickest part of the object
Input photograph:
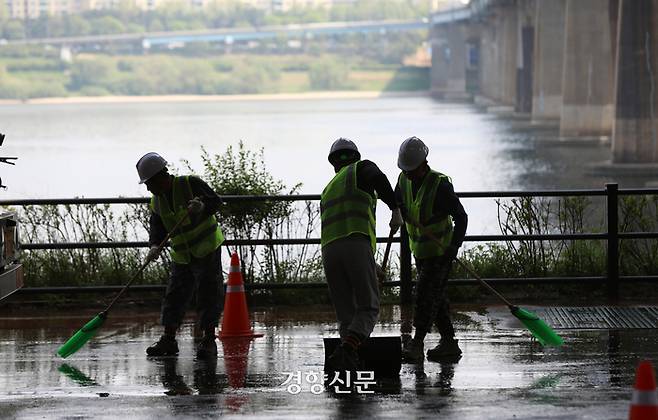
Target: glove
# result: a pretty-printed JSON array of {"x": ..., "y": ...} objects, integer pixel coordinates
[
  {"x": 152, "y": 253},
  {"x": 195, "y": 206},
  {"x": 450, "y": 254},
  {"x": 396, "y": 220}
]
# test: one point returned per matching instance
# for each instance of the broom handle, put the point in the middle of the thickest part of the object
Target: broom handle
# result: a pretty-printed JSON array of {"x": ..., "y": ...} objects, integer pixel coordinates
[
  {"x": 162, "y": 245},
  {"x": 388, "y": 249},
  {"x": 484, "y": 283},
  {"x": 430, "y": 235}
]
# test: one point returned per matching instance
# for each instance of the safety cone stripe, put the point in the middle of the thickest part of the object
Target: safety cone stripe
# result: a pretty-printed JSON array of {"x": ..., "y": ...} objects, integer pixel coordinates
[
  {"x": 645, "y": 398},
  {"x": 234, "y": 269},
  {"x": 235, "y": 289}
]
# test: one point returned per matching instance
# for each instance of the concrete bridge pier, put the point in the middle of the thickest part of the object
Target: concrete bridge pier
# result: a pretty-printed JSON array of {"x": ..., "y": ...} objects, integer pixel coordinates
[
  {"x": 498, "y": 58},
  {"x": 548, "y": 61},
  {"x": 525, "y": 37},
  {"x": 635, "y": 138},
  {"x": 587, "y": 77},
  {"x": 448, "y": 74}
]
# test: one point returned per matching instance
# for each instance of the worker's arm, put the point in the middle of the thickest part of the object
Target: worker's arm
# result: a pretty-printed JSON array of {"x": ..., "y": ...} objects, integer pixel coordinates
[
  {"x": 371, "y": 179},
  {"x": 157, "y": 231},
  {"x": 398, "y": 200},
  {"x": 211, "y": 201},
  {"x": 447, "y": 202}
]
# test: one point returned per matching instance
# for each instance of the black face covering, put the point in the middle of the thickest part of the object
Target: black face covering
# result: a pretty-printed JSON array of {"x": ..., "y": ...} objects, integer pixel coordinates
[{"x": 343, "y": 158}]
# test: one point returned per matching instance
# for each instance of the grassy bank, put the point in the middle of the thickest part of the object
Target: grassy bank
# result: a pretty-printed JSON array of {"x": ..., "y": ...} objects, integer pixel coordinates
[{"x": 110, "y": 75}]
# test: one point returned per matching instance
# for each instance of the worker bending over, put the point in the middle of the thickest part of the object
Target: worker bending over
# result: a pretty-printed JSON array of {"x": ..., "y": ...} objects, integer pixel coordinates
[{"x": 348, "y": 245}]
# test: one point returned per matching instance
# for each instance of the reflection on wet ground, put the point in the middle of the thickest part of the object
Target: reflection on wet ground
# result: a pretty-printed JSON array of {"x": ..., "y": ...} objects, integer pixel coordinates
[{"x": 502, "y": 374}]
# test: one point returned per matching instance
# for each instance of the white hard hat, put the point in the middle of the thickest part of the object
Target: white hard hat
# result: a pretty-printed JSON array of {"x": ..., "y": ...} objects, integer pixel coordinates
[
  {"x": 149, "y": 165},
  {"x": 342, "y": 145},
  {"x": 413, "y": 153}
]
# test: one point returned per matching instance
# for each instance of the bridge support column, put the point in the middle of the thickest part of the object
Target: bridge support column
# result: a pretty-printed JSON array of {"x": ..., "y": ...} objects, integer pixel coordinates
[
  {"x": 498, "y": 58},
  {"x": 448, "y": 75},
  {"x": 489, "y": 66},
  {"x": 587, "y": 76},
  {"x": 525, "y": 41},
  {"x": 549, "y": 52},
  {"x": 508, "y": 27},
  {"x": 635, "y": 134}
]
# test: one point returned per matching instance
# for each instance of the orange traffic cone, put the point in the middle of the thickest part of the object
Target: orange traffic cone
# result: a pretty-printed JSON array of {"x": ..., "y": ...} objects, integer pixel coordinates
[
  {"x": 236, "y": 316},
  {"x": 644, "y": 405}
]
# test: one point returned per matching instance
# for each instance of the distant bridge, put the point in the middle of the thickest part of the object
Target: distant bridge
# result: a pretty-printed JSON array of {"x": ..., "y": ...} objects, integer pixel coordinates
[{"x": 231, "y": 35}]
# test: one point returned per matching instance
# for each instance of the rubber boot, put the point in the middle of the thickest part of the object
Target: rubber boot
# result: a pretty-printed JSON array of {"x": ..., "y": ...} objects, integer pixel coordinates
[
  {"x": 414, "y": 351},
  {"x": 207, "y": 348},
  {"x": 446, "y": 350},
  {"x": 165, "y": 346}
]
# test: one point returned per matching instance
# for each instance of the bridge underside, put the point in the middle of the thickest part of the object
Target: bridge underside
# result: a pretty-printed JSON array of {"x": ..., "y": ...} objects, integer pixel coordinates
[{"x": 588, "y": 66}]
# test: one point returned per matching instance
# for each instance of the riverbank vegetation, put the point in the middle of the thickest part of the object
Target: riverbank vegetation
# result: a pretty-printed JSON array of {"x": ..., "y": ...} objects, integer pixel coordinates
[
  {"x": 361, "y": 62},
  {"x": 240, "y": 171},
  {"x": 24, "y": 75},
  {"x": 178, "y": 16}
]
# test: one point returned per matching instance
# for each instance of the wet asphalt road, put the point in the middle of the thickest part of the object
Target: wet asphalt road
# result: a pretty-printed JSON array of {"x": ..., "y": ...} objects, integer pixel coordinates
[{"x": 502, "y": 374}]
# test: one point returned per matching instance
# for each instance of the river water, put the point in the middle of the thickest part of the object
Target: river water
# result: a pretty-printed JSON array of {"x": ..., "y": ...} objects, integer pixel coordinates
[{"x": 90, "y": 150}]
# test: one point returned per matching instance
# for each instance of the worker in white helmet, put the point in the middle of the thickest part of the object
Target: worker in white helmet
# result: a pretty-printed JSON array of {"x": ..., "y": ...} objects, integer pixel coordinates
[
  {"x": 195, "y": 252},
  {"x": 427, "y": 198},
  {"x": 348, "y": 244}
]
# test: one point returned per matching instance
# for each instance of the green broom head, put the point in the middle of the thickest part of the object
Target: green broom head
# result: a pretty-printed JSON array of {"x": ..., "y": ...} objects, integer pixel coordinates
[
  {"x": 539, "y": 329},
  {"x": 83, "y": 335}
]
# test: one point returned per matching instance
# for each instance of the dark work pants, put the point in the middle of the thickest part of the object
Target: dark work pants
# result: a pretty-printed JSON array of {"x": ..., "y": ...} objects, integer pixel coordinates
[
  {"x": 350, "y": 270},
  {"x": 203, "y": 276},
  {"x": 432, "y": 305}
]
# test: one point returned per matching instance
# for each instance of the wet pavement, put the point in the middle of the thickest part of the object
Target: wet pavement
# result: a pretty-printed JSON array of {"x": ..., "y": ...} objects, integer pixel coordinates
[{"x": 503, "y": 373}]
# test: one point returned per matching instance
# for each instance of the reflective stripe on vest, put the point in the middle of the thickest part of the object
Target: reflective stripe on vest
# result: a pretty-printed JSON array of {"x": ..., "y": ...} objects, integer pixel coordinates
[
  {"x": 197, "y": 236},
  {"x": 345, "y": 209},
  {"x": 420, "y": 209}
]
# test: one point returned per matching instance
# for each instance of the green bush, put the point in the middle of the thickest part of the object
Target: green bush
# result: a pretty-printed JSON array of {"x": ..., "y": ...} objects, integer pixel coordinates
[
  {"x": 35, "y": 65},
  {"x": 329, "y": 74},
  {"x": 13, "y": 29},
  {"x": 89, "y": 72},
  {"x": 638, "y": 214},
  {"x": 82, "y": 267},
  {"x": 12, "y": 87},
  {"x": 106, "y": 25},
  {"x": 93, "y": 91},
  {"x": 47, "y": 89},
  {"x": 243, "y": 172}
]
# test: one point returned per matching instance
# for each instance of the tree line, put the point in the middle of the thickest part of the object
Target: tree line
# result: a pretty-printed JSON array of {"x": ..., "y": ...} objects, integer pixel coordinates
[{"x": 177, "y": 16}]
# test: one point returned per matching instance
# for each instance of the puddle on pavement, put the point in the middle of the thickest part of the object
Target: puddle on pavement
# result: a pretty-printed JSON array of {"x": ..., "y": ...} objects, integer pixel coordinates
[{"x": 499, "y": 367}]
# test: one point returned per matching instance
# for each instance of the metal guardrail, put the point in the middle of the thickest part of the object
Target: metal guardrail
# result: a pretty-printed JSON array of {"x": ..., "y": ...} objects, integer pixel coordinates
[{"x": 612, "y": 236}]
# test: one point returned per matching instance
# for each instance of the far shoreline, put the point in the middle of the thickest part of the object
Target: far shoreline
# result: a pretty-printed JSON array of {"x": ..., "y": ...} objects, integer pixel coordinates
[{"x": 215, "y": 98}]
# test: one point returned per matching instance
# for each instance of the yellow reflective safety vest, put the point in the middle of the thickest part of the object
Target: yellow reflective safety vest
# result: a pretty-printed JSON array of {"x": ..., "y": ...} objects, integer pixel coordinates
[
  {"x": 421, "y": 209},
  {"x": 345, "y": 209},
  {"x": 194, "y": 238}
]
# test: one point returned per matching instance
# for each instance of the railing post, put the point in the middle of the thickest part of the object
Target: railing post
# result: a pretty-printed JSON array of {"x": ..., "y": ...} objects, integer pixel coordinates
[
  {"x": 613, "y": 240},
  {"x": 405, "y": 267}
]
